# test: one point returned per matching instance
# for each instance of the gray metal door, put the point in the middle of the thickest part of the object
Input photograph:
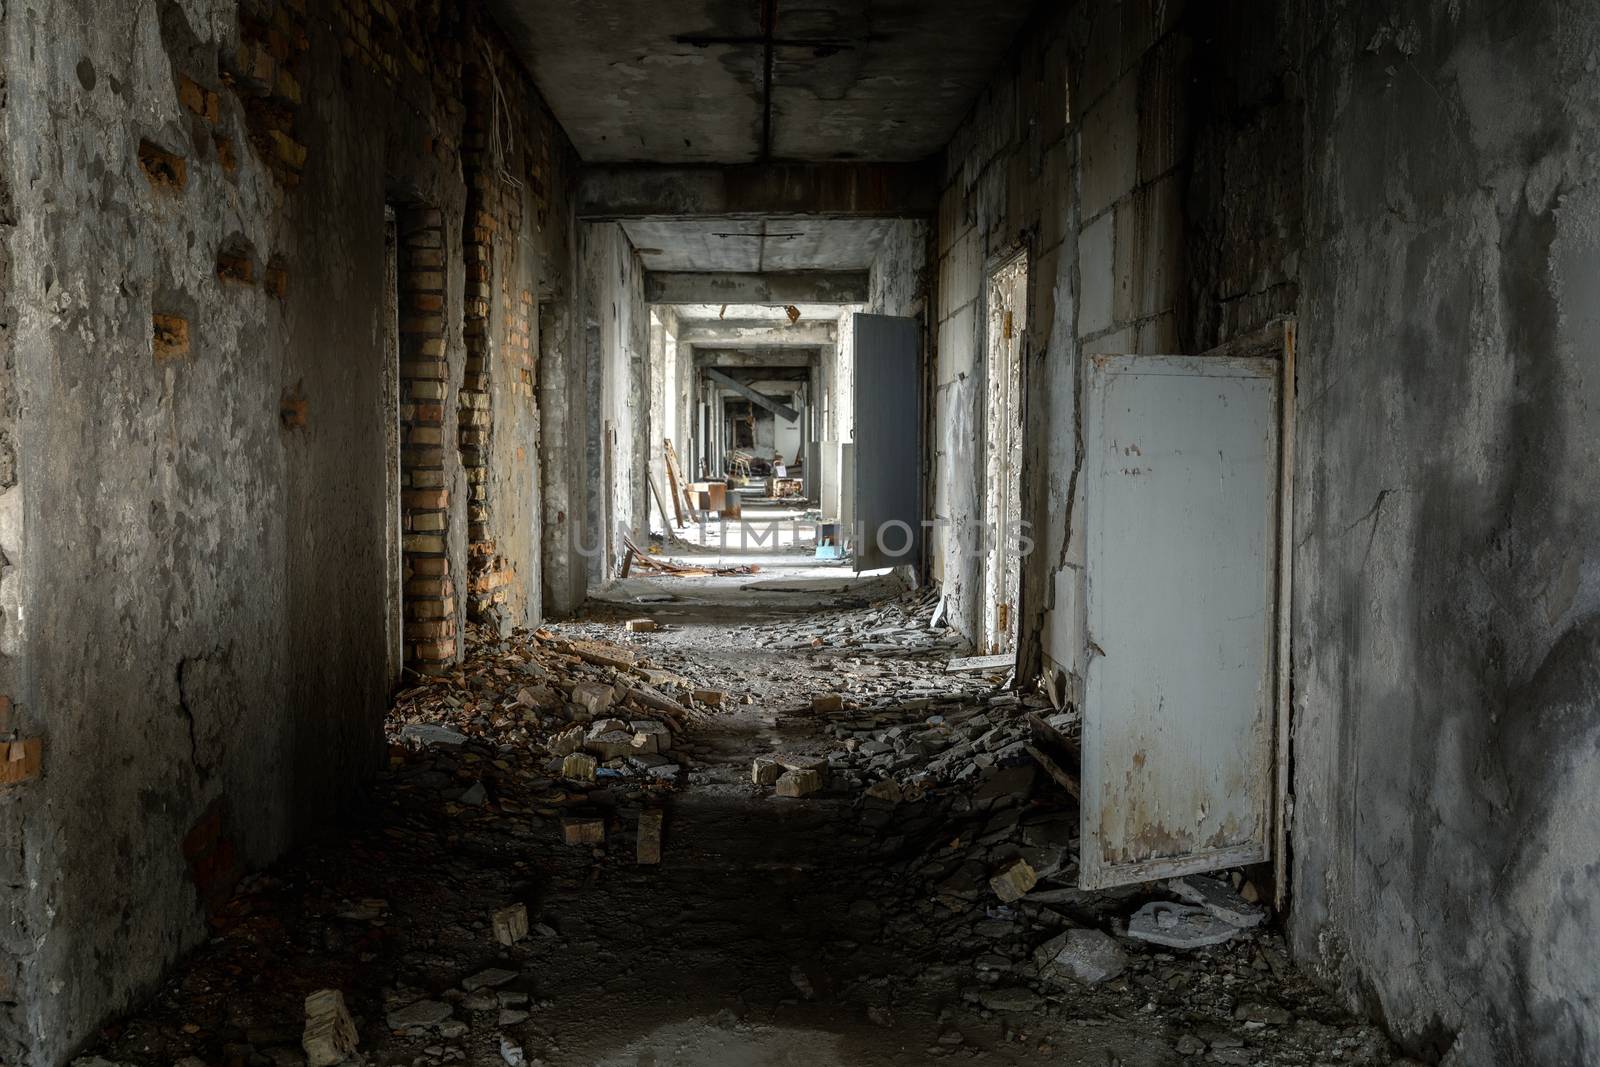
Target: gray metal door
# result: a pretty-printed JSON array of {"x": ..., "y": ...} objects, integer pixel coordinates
[
  {"x": 1180, "y": 512},
  {"x": 888, "y": 472}
]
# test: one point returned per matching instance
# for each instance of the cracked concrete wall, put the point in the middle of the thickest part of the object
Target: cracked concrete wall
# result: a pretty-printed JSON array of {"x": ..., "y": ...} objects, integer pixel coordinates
[
  {"x": 563, "y": 407},
  {"x": 1447, "y": 561},
  {"x": 617, "y": 321},
  {"x": 207, "y": 578},
  {"x": 1414, "y": 182}
]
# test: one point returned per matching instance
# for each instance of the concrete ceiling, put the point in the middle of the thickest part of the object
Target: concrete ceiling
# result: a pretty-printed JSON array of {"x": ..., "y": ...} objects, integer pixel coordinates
[
  {"x": 756, "y": 245},
  {"x": 740, "y": 81}
]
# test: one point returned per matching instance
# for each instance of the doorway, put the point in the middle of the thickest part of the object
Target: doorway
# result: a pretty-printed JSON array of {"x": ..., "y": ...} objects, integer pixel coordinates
[{"x": 1006, "y": 328}]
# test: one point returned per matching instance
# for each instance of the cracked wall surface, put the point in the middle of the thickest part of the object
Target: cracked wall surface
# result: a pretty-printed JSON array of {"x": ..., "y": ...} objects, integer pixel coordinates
[
  {"x": 1409, "y": 181},
  {"x": 199, "y": 273},
  {"x": 1447, "y": 556}
]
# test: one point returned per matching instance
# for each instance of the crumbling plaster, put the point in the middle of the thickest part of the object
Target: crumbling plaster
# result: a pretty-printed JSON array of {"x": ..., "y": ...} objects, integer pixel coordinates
[
  {"x": 1413, "y": 183},
  {"x": 618, "y": 321},
  {"x": 206, "y": 577},
  {"x": 1447, "y": 554}
]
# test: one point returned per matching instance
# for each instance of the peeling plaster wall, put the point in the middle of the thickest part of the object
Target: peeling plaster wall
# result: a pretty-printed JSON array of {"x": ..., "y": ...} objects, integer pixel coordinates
[
  {"x": 205, "y": 582},
  {"x": 1447, "y": 563},
  {"x": 1415, "y": 182},
  {"x": 618, "y": 321}
]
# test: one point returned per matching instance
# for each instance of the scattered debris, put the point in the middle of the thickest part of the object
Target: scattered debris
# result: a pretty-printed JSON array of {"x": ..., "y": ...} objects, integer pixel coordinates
[
  {"x": 648, "y": 849},
  {"x": 510, "y": 924},
  {"x": 1088, "y": 957},
  {"x": 330, "y": 1034},
  {"x": 1161, "y": 922},
  {"x": 1220, "y": 899},
  {"x": 583, "y": 830},
  {"x": 1014, "y": 882},
  {"x": 798, "y": 783}
]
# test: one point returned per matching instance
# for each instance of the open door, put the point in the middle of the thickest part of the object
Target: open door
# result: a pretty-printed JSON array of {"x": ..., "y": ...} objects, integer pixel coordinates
[
  {"x": 1181, "y": 549},
  {"x": 888, "y": 470}
]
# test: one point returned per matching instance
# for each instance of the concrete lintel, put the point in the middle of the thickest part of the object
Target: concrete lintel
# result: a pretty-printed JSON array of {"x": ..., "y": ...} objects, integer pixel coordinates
[
  {"x": 711, "y": 335},
  {"x": 730, "y": 287},
  {"x": 728, "y": 358},
  {"x": 760, "y": 399},
  {"x": 839, "y": 190}
]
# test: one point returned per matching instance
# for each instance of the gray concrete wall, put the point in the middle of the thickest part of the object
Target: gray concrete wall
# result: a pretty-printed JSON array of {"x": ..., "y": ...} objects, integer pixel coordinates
[
  {"x": 1447, "y": 607},
  {"x": 1410, "y": 180},
  {"x": 618, "y": 320},
  {"x": 202, "y": 597}
]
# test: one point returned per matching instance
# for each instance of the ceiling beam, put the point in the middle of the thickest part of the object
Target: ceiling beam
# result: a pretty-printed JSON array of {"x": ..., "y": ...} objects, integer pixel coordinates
[
  {"x": 789, "y": 414},
  {"x": 835, "y": 190},
  {"x": 713, "y": 335},
  {"x": 769, "y": 287},
  {"x": 727, "y": 359}
]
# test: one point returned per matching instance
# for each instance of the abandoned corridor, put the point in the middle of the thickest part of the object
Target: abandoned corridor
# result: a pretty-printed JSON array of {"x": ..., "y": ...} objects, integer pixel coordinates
[
  {"x": 756, "y": 531},
  {"x": 848, "y": 926}
]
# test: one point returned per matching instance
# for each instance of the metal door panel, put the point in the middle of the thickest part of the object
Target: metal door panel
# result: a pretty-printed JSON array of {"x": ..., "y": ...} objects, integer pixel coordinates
[
  {"x": 887, "y": 479},
  {"x": 1180, "y": 513}
]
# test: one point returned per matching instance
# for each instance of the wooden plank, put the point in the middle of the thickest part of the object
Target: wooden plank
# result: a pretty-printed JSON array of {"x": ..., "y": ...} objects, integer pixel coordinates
[
  {"x": 980, "y": 663},
  {"x": 1063, "y": 778},
  {"x": 655, "y": 491},
  {"x": 674, "y": 480}
]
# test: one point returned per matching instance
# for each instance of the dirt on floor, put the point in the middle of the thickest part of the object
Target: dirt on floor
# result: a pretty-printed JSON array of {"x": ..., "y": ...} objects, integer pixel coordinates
[{"x": 858, "y": 924}]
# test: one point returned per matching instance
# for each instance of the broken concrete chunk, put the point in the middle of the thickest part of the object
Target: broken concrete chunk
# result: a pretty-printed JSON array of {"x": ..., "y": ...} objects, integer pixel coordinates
[
  {"x": 512, "y": 1053},
  {"x": 510, "y": 924},
  {"x": 650, "y": 736},
  {"x": 1011, "y": 999},
  {"x": 1219, "y": 898},
  {"x": 887, "y": 790},
  {"x": 799, "y": 783},
  {"x": 593, "y": 697},
  {"x": 612, "y": 744},
  {"x": 567, "y": 741},
  {"x": 330, "y": 1034},
  {"x": 584, "y": 830},
  {"x": 1179, "y": 925},
  {"x": 765, "y": 770},
  {"x": 1014, "y": 881},
  {"x": 648, "y": 847},
  {"x": 489, "y": 978},
  {"x": 422, "y": 1014},
  {"x": 1088, "y": 957},
  {"x": 709, "y": 697},
  {"x": 429, "y": 734},
  {"x": 579, "y": 767}
]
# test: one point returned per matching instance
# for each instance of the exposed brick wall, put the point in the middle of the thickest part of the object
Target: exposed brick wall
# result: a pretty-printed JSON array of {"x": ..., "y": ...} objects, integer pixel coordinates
[
  {"x": 430, "y": 601},
  {"x": 508, "y": 150}
]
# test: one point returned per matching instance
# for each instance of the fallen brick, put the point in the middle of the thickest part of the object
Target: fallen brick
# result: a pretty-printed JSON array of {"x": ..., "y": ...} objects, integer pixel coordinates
[
  {"x": 648, "y": 847},
  {"x": 330, "y": 1034}
]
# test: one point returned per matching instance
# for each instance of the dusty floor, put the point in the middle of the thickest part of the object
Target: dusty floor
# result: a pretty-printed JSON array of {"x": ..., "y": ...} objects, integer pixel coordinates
[{"x": 820, "y": 930}]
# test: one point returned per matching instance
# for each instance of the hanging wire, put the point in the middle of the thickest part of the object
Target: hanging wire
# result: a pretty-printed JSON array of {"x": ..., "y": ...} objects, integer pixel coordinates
[{"x": 500, "y": 143}]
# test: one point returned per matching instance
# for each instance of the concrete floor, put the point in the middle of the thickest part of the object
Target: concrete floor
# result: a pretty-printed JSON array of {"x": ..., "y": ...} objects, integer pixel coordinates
[{"x": 774, "y": 932}]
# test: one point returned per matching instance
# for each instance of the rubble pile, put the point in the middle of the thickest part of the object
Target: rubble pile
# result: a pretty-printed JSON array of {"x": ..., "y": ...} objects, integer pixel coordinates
[{"x": 595, "y": 709}]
